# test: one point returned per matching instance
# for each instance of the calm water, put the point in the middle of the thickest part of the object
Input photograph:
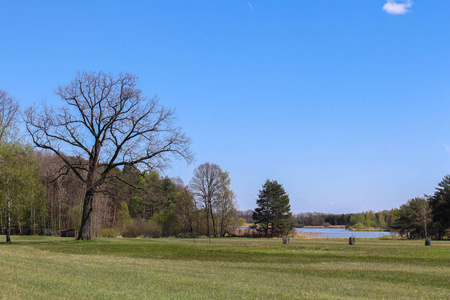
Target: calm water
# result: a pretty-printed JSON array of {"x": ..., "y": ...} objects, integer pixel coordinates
[{"x": 343, "y": 233}]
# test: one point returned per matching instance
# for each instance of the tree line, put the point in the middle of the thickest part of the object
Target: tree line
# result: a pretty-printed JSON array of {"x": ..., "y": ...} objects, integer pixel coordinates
[
  {"x": 364, "y": 220},
  {"x": 427, "y": 216},
  {"x": 97, "y": 169},
  {"x": 98, "y": 163},
  {"x": 132, "y": 203},
  {"x": 420, "y": 217}
]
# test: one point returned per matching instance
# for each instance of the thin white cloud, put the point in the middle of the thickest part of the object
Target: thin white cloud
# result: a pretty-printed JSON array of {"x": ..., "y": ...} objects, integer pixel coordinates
[
  {"x": 251, "y": 7},
  {"x": 394, "y": 8},
  {"x": 447, "y": 148}
]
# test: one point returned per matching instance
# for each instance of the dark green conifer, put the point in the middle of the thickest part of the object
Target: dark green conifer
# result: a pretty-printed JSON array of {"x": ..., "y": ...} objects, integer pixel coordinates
[{"x": 273, "y": 213}]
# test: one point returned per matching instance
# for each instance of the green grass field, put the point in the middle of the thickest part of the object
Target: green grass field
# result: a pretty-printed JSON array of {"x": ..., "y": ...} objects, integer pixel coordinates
[{"x": 228, "y": 268}]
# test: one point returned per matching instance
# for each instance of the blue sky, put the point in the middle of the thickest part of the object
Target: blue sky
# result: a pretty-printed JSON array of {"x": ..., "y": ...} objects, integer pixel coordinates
[{"x": 345, "y": 103}]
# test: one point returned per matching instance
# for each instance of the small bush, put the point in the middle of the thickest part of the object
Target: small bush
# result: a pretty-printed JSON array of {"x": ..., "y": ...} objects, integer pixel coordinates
[
  {"x": 108, "y": 232},
  {"x": 246, "y": 232},
  {"x": 447, "y": 234},
  {"x": 141, "y": 228},
  {"x": 359, "y": 226}
]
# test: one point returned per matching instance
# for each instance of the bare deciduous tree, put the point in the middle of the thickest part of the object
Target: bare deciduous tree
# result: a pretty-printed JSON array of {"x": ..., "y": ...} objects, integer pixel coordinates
[
  {"x": 9, "y": 109},
  {"x": 210, "y": 186},
  {"x": 107, "y": 123}
]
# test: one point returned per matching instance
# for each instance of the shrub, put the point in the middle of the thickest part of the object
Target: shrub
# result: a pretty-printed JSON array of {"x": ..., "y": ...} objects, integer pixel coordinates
[
  {"x": 108, "y": 232},
  {"x": 141, "y": 228},
  {"x": 168, "y": 221},
  {"x": 246, "y": 232},
  {"x": 359, "y": 226}
]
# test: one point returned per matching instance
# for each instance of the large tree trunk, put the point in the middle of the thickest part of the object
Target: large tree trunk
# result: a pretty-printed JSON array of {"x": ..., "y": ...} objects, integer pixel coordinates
[{"x": 85, "y": 228}]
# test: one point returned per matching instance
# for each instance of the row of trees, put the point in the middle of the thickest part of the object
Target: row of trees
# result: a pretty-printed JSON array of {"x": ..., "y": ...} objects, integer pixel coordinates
[
  {"x": 98, "y": 169},
  {"x": 133, "y": 203},
  {"x": 382, "y": 220},
  {"x": 420, "y": 217},
  {"x": 427, "y": 216},
  {"x": 369, "y": 219}
]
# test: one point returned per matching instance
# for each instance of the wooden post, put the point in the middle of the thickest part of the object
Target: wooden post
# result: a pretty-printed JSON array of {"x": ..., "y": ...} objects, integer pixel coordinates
[
  {"x": 351, "y": 240},
  {"x": 286, "y": 240}
]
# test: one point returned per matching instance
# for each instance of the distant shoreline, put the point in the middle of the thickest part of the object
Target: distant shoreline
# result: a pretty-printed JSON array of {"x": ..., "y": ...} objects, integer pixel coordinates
[{"x": 331, "y": 226}]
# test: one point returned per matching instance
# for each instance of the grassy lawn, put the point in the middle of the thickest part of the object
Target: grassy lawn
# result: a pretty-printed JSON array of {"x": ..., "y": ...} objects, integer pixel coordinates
[{"x": 229, "y": 268}]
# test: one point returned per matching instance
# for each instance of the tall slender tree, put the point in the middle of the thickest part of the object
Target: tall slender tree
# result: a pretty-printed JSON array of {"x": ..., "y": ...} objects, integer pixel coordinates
[
  {"x": 225, "y": 206},
  {"x": 108, "y": 124}
]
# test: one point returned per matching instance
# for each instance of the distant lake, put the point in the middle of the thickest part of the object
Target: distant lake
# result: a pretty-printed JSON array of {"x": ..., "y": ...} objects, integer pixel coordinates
[{"x": 344, "y": 233}]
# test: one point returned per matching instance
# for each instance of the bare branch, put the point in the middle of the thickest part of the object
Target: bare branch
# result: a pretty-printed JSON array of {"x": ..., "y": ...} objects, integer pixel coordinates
[{"x": 9, "y": 109}]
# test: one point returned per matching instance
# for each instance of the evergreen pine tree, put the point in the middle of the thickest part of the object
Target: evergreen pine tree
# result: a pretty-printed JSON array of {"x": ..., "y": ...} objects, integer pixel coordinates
[
  {"x": 274, "y": 211},
  {"x": 440, "y": 205}
]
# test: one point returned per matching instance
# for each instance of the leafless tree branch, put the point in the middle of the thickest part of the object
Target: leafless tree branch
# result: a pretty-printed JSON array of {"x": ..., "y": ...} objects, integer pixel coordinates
[{"x": 9, "y": 109}]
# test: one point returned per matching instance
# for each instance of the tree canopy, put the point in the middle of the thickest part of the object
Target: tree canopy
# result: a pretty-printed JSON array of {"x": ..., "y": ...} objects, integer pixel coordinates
[
  {"x": 413, "y": 218},
  {"x": 20, "y": 187}
]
